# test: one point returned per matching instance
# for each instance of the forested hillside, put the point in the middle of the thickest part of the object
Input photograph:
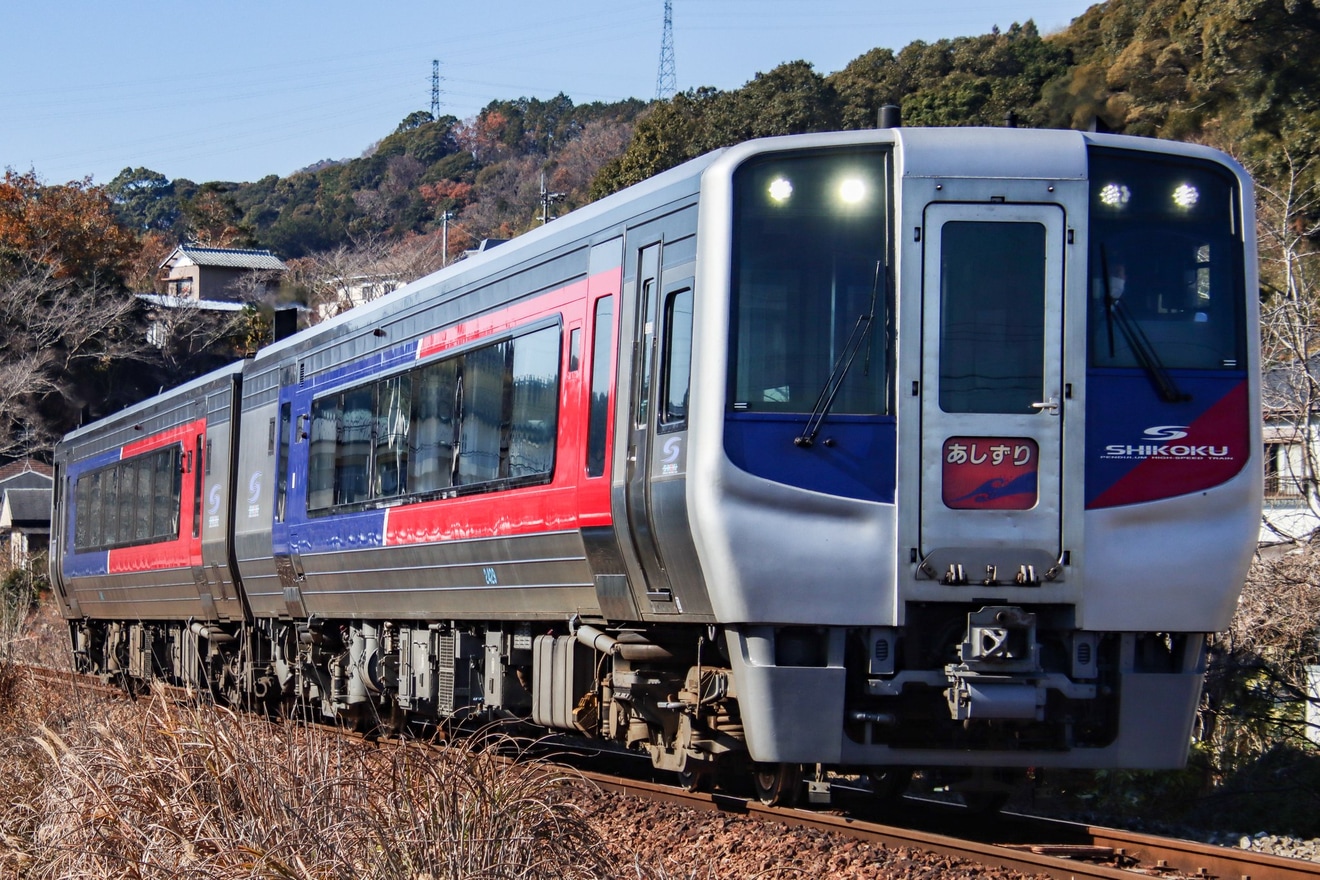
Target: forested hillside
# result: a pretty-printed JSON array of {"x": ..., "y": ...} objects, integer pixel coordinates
[{"x": 1238, "y": 74}]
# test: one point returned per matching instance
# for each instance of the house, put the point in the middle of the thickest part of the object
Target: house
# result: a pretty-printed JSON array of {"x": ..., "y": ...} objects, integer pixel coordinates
[
  {"x": 25, "y": 500},
  {"x": 192, "y": 272},
  {"x": 344, "y": 292},
  {"x": 1291, "y": 437}
]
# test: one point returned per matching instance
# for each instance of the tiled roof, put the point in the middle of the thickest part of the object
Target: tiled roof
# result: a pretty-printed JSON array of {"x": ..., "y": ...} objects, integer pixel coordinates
[
  {"x": 26, "y": 465},
  {"x": 229, "y": 258},
  {"x": 28, "y": 505}
]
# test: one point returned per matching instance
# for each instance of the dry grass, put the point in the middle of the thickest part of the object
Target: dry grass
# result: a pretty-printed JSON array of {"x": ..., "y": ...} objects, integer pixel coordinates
[{"x": 161, "y": 790}]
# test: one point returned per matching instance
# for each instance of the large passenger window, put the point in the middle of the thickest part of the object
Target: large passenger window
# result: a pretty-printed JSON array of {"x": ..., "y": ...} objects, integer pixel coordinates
[
  {"x": 1167, "y": 278},
  {"x": 433, "y": 430},
  {"x": 487, "y": 418},
  {"x": 134, "y": 501},
  {"x": 809, "y": 282}
]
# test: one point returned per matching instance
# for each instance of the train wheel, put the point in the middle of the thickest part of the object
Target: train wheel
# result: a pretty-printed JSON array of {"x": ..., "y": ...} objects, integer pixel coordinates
[
  {"x": 984, "y": 803},
  {"x": 889, "y": 783},
  {"x": 693, "y": 779},
  {"x": 777, "y": 785}
]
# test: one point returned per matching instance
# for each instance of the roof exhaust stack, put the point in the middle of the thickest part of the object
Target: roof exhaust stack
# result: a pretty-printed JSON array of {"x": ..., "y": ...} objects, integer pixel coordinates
[{"x": 890, "y": 116}]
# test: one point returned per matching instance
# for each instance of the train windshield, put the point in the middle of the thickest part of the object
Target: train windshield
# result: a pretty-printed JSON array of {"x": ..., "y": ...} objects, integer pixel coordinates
[
  {"x": 809, "y": 282},
  {"x": 1166, "y": 265}
]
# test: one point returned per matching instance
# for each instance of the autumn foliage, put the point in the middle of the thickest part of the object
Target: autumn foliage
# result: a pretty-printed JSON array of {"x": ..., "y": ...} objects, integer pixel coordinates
[{"x": 68, "y": 228}]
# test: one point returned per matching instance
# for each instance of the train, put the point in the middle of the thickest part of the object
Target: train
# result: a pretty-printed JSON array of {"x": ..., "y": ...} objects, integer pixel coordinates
[{"x": 835, "y": 455}]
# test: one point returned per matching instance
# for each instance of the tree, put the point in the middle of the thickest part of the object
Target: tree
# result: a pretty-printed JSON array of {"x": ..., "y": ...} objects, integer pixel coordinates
[
  {"x": 69, "y": 229},
  {"x": 213, "y": 219},
  {"x": 144, "y": 200},
  {"x": 58, "y": 335},
  {"x": 1288, "y": 228}
]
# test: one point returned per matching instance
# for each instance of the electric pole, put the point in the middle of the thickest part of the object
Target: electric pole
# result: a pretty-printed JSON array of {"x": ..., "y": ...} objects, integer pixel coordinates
[
  {"x": 666, "y": 79},
  {"x": 435, "y": 88}
]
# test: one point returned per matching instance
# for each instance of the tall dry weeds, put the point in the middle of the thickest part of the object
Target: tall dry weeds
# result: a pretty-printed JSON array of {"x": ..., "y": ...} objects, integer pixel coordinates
[{"x": 181, "y": 791}]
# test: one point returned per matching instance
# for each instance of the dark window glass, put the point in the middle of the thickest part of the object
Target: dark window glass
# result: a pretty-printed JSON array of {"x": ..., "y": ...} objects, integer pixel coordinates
[
  {"x": 809, "y": 281},
  {"x": 95, "y": 529},
  {"x": 323, "y": 435},
  {"x": 131, "y": 502},
  {"x": 678, "y": 358},
  {"x": 146, "y": 494},
  {"x": 82, "y": 518},
  {"x": 196, "y": 464},
  {"x": 434, "y": 431},
  {"x": 992, "y": 316},
  {"x": 393, "y": 408},
  {"x": 167, "y": 481},
  {"x": 602, "y": 359},
  {"x": 128, "y": 501},
  {"x": 353, "y": 448},
  {"x": 282, "y": 462},
  {"x": 487, "y": 415},
  {"x": 535, "y": 403},
  {"x": 1165, "y": 264},
  {"x": 483, "y": 434},
  {"x": 110, "y": 505}
]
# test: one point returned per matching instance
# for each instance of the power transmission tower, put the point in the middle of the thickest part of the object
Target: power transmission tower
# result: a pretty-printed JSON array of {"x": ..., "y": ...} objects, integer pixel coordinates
[
  {"x": 666, "y": 79},
  {"x": 435, "y": 88}
]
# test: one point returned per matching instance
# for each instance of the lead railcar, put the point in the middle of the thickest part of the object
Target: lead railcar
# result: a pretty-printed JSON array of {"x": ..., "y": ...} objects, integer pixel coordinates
[{"x": 865, "y": 451}]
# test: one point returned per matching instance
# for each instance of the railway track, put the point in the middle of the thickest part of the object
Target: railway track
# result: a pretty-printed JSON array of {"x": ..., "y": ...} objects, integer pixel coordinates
[
  {"x": 1016, "y": 842},
  {"x": 1060, "y": 849}
]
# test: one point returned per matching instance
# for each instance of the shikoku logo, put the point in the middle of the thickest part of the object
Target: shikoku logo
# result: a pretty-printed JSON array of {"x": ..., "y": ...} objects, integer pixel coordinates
[{"x": 1156, "y": 442}]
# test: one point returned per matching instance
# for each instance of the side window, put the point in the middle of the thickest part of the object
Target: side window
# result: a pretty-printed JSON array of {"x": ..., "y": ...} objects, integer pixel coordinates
[
  {"x": 197, "y": 490},
  {"x": 282, "y": 463},
  {"x": 485, "y": 416},
  {"x": 95, "y": 530},
  {"x": 146, "y": 492},
  {"x": 483, "y": 433},
  {"x": 167, "y": 480},
  {"x": 602, "y": 360},
  {"x": 678, "y": 359},
  {"x": 321, "y": 453},
  {"x": 393, "y": 405},
  {"x": 135, "y": 501},
  {"x": 648, "y": 272},
  {"x": 353, "y": 449},
  {"x": 434, "y": 427}
]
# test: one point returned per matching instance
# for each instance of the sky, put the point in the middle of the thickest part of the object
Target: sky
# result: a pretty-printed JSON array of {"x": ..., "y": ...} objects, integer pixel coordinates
[{"x": 235, "y": 90}]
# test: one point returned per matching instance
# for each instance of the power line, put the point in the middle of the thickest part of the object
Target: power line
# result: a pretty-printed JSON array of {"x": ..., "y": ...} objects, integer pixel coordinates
[{"x": 666, "y": 79}]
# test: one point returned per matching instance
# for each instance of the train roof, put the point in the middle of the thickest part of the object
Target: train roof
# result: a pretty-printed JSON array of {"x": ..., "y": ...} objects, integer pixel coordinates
[
  {"x": 152, "y": 404},
  {"x": 652, "y": 192}
]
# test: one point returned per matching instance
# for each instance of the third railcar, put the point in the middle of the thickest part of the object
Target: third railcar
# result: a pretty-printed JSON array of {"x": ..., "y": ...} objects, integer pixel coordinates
[{"x": 900, "y": 448}]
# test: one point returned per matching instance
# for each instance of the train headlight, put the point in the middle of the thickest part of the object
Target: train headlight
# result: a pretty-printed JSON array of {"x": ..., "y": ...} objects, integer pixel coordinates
[
  {"x": 1186, "y": 196},
  {"x": 780, "y": 189},
  {"x": 852, "y": 190},
  {"x": 1115, "y": 195}
]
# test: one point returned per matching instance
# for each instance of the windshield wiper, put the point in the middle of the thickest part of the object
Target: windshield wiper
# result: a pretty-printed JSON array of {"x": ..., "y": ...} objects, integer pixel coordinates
[
  {"x": 825, "y": 400},
  {"x": 1142, "y": 350}
]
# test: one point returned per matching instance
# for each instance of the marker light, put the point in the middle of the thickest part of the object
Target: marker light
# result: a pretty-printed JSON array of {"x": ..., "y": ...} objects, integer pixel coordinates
[
  {"x": 1185, "y": 196},
  {"x": 852, "y": 191},
  {"x": 1115, "y": 195},
  {"x": 780, "y": 189}
]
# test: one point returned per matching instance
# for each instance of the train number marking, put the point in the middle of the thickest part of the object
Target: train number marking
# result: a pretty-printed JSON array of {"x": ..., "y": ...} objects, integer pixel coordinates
[{"x": 490, "y": 577}]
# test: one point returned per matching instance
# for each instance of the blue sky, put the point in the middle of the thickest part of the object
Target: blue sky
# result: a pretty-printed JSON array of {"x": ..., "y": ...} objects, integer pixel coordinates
[{"x": 240, "y": 89}]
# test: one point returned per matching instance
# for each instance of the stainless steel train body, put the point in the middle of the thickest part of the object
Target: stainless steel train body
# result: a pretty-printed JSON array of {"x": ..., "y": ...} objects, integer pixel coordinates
[{"x": 929, "y": 448}]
